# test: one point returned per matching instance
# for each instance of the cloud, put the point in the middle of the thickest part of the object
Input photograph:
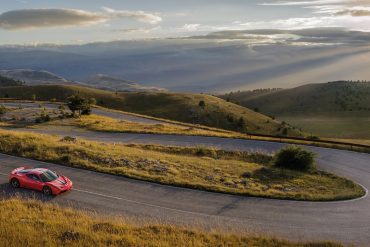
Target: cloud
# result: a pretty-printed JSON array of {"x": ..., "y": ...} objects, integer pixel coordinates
[
  {"x": 42, "y": 18},
  {"x": 354, "y": 12},
  {"x": 190, "y": 27},
  {"x": 138, "y": 15},
  {"x": 303, "y": 3},
  {"x": 136, "y": 30},
  {"x": 351, "y": 14},
  {"x": 303, "y": 37},
  {"x": 33, "y": 18}
]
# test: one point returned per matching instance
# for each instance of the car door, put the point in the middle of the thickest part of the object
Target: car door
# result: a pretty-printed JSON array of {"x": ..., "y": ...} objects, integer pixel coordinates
[{"x": 33, "y": 181}]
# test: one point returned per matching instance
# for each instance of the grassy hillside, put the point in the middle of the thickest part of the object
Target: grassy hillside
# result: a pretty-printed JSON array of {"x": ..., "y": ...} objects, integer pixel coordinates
[
  {"x": 335, "y": 109},
  {"x": 42, "y": 224},
  {"x": 341, "y": 96},
  {"x": 215, "y": 112},
  {"x": 6, "y": 82}
]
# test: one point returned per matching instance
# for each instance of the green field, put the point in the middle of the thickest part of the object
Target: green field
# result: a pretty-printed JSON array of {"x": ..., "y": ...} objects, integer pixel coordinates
[
  {"x": 331, "y": 110},
  {"x": 342, "y": 125}
]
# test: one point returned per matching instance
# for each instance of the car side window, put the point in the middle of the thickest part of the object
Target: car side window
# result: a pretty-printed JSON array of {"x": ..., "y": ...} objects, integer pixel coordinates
[{"x": 33, "y": 177}]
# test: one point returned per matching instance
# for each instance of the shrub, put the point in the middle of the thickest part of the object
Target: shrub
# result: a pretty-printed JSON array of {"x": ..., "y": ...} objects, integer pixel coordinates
[
  {"x": 295, "y": 158},
  {"x": 202, "y": 104},
  {"x": 92, "y": 101},
  {"x": 313, "y": 137},
  {"x": 44, "y": 117},
  {"x": 69, "y": 139},
  {"x": 2, "y": 110}
]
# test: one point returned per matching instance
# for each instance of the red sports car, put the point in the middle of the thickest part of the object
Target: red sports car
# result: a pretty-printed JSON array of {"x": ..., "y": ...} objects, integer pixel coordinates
[{"x": 40, "y": 179}]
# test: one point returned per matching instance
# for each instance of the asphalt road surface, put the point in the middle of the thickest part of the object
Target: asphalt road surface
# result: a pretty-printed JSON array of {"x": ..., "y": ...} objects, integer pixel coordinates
[{"x": 345, "y": 221}]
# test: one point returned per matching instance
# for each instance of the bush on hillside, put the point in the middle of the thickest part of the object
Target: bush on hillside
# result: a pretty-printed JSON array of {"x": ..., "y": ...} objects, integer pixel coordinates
[
  {"x": 313, "y": 137},
  {"x": 2, "y": 110},
  {"x": 44, "y": 117},
  {"x": 295, "y": 158},
  {"x": 202, "y": 104}
]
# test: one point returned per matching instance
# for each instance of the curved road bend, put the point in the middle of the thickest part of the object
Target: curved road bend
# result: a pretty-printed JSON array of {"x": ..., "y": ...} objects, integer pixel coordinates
[{"x": 346, "y": 221}]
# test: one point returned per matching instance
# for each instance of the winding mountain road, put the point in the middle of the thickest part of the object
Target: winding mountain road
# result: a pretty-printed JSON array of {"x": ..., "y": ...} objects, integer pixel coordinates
[{"x": 345, "y": 221}]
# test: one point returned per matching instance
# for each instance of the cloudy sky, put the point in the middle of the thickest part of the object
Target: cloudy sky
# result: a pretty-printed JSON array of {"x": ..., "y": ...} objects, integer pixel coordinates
[{"x": 82, "y": 21}]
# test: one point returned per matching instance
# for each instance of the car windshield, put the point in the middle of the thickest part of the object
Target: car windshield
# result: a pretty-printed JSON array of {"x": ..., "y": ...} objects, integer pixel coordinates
[{"x": 48, "y": 176}]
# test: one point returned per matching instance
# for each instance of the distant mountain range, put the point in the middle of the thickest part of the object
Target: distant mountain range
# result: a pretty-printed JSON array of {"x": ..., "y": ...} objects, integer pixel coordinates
[
  {"x": 215, "y": 63},
  {"x": 43, "y": 77}
]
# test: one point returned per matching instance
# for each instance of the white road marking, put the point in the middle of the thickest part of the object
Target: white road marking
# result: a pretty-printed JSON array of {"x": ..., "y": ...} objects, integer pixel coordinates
[
  {"x": 146, "y": 204},
  {"x": 4, "y": 174}
]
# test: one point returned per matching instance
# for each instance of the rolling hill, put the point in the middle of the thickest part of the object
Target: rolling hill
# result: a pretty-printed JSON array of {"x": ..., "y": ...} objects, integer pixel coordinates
[
  {"x": 31, "y": 77},
  {"x": 107, "y": 82},
  {"x": 336, "y": 96},
  {"x": 336, "y": 109},
  {"x": 6, "y": 82},
  {"x": 191, "y": 108}
]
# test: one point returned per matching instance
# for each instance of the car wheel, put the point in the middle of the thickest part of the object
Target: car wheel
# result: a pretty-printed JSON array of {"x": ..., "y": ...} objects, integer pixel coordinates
[
  {"x": 15, "y": 183},
  {"x": 47, "y": 191}
]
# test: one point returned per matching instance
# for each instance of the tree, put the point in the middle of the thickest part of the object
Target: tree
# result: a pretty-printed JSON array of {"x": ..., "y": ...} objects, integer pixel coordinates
[
  {"x": 202, "y": 104},
  {"x": 242, "y": 124},
  {"x": 78, "y": 104}
]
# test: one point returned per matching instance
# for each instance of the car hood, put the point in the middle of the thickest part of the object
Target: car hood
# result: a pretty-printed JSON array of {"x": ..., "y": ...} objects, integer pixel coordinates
[{"x": 60, "y": 181}]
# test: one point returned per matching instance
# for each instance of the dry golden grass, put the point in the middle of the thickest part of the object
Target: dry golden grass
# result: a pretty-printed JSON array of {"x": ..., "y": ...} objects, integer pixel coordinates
[
  {"x": 33, "y": 223},
  {"x": 188, "y": 169},
  {"x": 107, "y": 124}
]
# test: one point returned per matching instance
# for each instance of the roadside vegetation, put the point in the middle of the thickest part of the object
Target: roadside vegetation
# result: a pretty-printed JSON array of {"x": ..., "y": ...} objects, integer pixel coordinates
[
  {"x": 295, "y": 158},
  {"x": 229, "y": 172},
  {"x": 36, "y": 223}
]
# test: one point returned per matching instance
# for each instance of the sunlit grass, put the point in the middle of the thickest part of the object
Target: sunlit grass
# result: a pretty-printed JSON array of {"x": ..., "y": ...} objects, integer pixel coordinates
[
  {"x": 107, "y": 124},
  {"x": 33, "y": 223}
]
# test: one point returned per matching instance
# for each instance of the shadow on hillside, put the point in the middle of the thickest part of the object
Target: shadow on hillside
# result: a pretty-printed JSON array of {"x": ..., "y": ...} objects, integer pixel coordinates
[{"x": 8, "y": 192}]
